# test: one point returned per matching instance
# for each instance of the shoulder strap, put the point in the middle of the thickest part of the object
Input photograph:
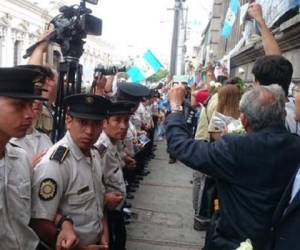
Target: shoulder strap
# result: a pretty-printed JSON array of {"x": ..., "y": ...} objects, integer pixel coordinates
[{"x": 60, "y": 154}]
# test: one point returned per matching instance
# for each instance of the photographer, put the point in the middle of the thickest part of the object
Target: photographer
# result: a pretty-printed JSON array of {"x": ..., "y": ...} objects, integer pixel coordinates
[{"x": 45, "y": 121}]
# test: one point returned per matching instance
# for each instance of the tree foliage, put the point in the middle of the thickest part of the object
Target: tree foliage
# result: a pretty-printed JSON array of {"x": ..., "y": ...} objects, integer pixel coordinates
[{"x": 158, "y": 76}]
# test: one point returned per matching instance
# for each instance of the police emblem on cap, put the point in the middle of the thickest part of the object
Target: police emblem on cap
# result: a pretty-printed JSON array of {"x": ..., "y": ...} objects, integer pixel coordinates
[
  {"x": 89, "y": 100},
  {"x": 48, "y": 189},
  {"x": 38, "y": 88}
]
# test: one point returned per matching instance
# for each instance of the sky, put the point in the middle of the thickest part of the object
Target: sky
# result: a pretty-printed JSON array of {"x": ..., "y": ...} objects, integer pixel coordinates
[{"x": 133, "y": 26}]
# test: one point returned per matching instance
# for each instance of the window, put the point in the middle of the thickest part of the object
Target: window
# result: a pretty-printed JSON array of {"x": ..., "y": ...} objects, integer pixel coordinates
[
  {"x": 17, "y": 52},
  {"x": 56, "y": 59}
]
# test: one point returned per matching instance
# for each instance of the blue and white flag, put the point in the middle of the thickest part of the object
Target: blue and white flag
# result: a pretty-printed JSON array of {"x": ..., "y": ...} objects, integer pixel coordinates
[
  {"x": 231, "y": 15},
  {"x": 153, "y": 61},
  {"x": 136, "y": 75},
  {"x": 144, "y": 67}
]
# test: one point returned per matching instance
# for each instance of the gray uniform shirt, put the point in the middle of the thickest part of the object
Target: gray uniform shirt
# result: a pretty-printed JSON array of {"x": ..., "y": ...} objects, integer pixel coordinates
[
  {"x": 33, "y": 143},
  {"x": 15, "y": 201},
  {"x": 73, "y": 187},
  {"x": 112, "y": 166}
]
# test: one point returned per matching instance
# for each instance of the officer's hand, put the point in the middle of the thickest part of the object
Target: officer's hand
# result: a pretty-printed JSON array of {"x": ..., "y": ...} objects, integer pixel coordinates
[
  {"x": 95, "y": 247},
  {"x": 130, "y": 162},
  {"x": 141, "y": 132},
  {"x": 37, "y": 158},
  {"x": 67, "y": 238},
  {"x": 255, "y": 11},
  {"x": 112, "y": 199},
  {"x": 177, "y": 95},
  {"x": 104, "y": 242}
]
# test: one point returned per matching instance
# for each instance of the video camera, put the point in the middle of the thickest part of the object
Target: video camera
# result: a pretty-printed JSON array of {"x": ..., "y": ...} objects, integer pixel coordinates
[
  {"x": 111, "y": 70},
  {"x": 71, "y": 26}
]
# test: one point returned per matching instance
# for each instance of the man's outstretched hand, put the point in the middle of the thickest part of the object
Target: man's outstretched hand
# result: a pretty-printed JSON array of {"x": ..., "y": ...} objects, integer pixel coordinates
[{"x": 177, "y": 95}]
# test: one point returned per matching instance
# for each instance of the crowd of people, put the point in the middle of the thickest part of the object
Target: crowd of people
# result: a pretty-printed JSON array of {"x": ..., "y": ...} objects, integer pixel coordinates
[{"x": 244, "y": 150}]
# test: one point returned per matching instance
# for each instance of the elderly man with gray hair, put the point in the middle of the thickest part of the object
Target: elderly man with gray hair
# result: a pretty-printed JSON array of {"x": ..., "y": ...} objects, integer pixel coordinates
[{"x": 251, "y": 170}]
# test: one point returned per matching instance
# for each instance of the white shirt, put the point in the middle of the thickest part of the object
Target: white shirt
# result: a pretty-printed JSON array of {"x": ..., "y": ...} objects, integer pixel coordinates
[
  {"x": 296, "y": 186},
  {"x": 290, "y": 122},
  {"x": 33, "y": 143},
  {"x": 15, "y": 201},
  {"x": 79, "y": 190}
]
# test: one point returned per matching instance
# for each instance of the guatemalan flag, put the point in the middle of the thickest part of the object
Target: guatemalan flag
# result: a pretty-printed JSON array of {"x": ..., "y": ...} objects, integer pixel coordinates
[
  {"x": 144, "y": 67},
  {"x": 231, "y": 15}
]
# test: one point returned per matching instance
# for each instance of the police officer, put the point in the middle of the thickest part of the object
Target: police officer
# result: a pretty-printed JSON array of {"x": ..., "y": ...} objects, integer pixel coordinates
[
  {"x": 114, "y": 131},
  {"x": 69, "y": 177},
  {"x": 35, "y": 143},
  {"x": 17, "y": 92},
  {"x": 133, "y": 93}
]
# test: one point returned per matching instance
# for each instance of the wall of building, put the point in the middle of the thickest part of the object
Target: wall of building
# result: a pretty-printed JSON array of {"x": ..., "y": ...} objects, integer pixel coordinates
[
  {"x": 22, "y": 23},
  {"x": 288, "y": 37},
  {"x": 215, "y": 46}
]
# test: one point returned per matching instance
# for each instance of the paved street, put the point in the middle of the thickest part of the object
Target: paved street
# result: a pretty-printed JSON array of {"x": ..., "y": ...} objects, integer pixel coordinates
[{"x": 162, "y": 209}]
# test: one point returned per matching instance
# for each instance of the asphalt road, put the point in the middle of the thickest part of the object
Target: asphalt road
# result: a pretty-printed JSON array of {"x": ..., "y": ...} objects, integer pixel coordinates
[{"x": 162, "y": 209}]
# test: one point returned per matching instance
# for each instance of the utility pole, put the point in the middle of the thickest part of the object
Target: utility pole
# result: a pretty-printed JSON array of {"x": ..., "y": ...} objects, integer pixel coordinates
[
  {"x": 178, "y": 10},
  {"x": 183, "y": 45}
]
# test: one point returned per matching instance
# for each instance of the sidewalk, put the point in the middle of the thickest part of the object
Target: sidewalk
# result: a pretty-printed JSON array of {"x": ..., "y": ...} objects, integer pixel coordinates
[{"x": 162, "y": 209}]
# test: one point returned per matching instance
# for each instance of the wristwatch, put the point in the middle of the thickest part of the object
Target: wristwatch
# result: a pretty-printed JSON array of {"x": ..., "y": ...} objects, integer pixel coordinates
[
  {"x": 177, "y": 109},
  {"x": 62, "y": 220}
]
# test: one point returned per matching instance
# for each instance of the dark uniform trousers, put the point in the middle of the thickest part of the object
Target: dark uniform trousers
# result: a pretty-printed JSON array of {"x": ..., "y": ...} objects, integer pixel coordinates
[
  {"x": 117, "y": 230},
  {"x": 252, "y": 171}
]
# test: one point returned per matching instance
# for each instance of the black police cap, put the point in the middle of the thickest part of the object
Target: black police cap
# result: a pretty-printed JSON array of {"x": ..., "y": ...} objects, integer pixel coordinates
[
  {"x": 44, "y": 70},
  {"x": 18, "y": 82},
  {"x": 121, "y": 108},
  {"x": 86, "y": 106},
  {"x": 132, "y": 92}
]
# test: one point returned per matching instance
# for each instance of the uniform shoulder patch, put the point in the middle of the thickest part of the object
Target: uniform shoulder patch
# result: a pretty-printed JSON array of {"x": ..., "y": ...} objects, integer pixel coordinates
[
  {"x": 14, "y": 145},
  {"x": 48, "y": 189},
  {"x": 60, "y": 154},
  {"x": 101, "y": 149}
]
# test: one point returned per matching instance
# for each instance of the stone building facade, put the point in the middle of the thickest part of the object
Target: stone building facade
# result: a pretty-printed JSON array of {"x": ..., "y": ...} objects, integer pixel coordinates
[
  {"x": 21, "y": 24},
  {"x": 284, "y": 26}
]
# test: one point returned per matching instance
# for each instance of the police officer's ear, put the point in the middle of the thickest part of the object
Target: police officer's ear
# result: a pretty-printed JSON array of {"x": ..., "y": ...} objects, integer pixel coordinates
[
  {"x": 105, "y": 122},
  {"x": 68, "y": 121}
]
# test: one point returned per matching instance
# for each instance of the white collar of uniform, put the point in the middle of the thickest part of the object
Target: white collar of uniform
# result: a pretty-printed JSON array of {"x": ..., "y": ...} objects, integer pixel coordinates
[
  {"x": 72, "y": 146},
  {"x": 105, "y": 140},
  {"x": 11, "y": 151},
  {"x": 35, "y": 133}
]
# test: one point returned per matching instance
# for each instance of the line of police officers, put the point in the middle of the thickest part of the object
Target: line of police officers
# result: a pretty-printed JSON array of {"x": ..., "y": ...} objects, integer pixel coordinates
[{"x": 71, "y": 194}]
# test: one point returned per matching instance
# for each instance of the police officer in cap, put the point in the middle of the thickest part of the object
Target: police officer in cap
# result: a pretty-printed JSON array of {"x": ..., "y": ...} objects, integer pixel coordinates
[
  {"x": 17, "y": 92},
  {"x": 133, "y": 93},
  {"x": 114, "y": 131},
  {"x": 69, "y": 177},
  {"x": 35, "y": 143}
]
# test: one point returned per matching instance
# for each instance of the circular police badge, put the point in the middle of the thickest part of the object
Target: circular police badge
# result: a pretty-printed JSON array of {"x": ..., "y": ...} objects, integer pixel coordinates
[
  {"x": 48, "y": 189},
  {"x": 89, "y": 100}
]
